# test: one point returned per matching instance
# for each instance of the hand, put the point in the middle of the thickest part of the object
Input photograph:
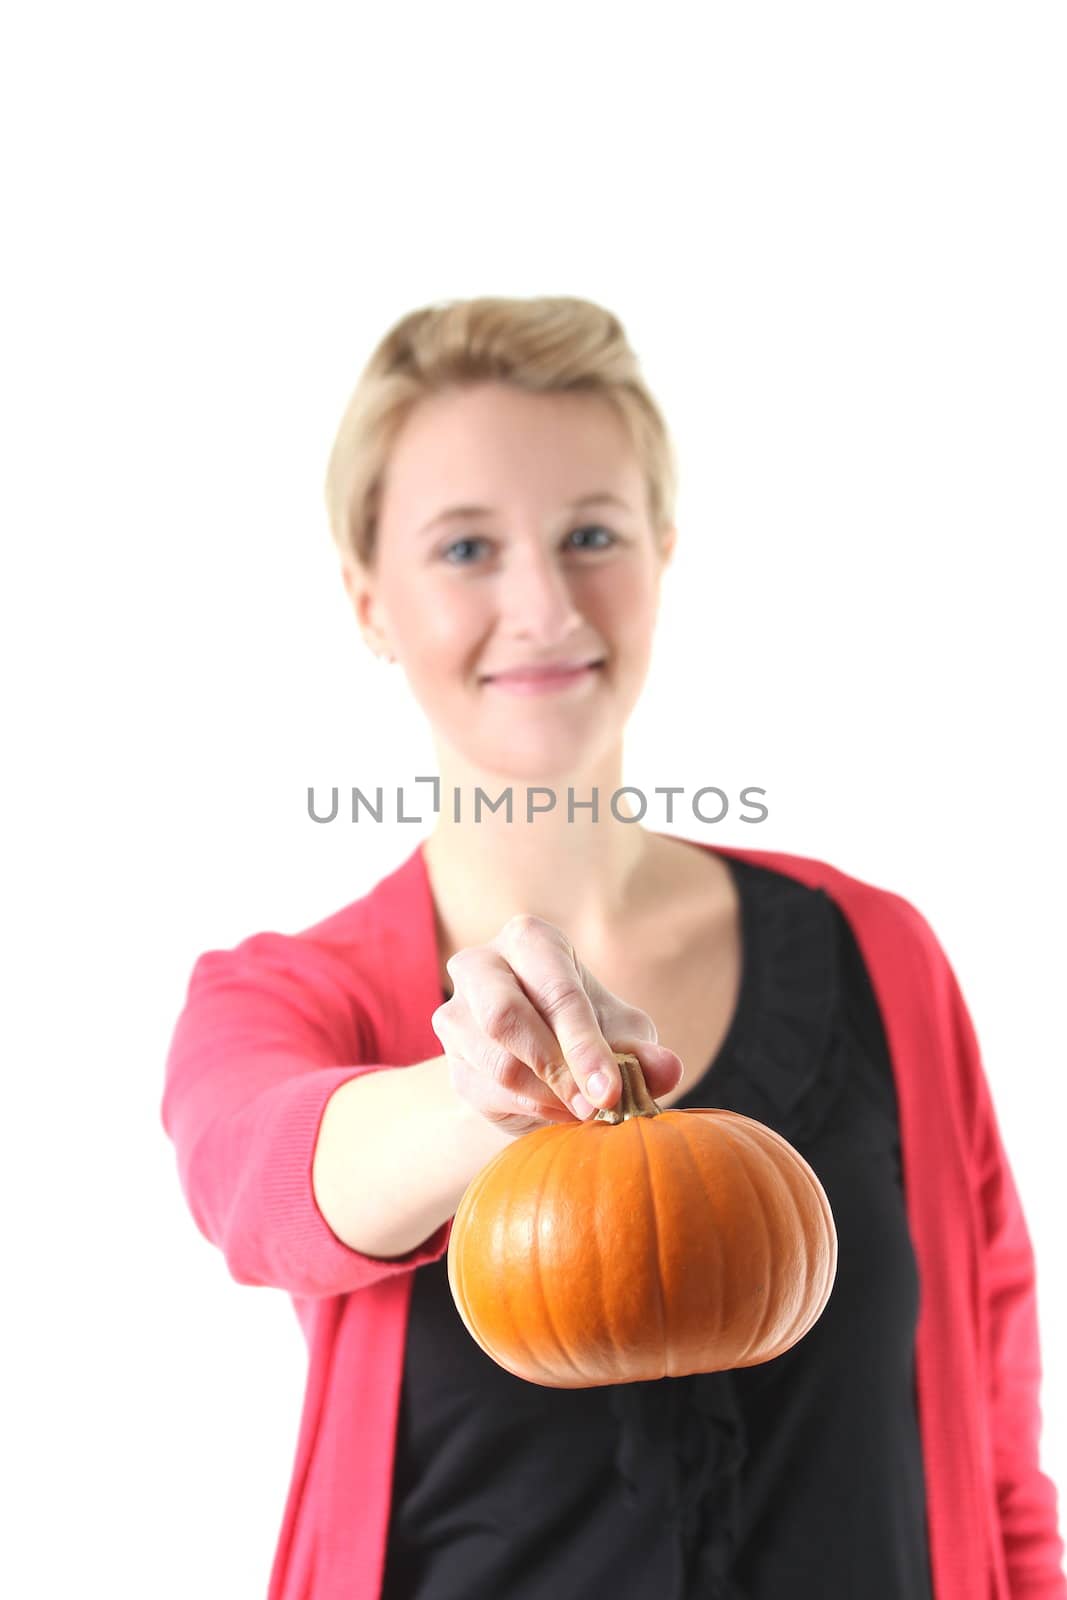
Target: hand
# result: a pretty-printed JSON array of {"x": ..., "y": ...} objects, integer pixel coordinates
[{"x": 529, "y": 1031}]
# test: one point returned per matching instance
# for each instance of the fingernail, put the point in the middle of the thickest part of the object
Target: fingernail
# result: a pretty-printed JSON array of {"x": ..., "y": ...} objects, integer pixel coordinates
[
  {"x": 581, "y": 1107},
  {"x": 598, "y": 1083}
]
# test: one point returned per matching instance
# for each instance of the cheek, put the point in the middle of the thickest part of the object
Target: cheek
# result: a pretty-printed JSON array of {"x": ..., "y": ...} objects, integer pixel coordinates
[
  {"x": 621, "y": 601},
  {"x": 435, "y": 625}
]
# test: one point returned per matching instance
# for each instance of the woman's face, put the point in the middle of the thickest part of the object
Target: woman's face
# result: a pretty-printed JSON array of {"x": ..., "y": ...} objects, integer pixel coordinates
[{"x": 526, "y": 576}]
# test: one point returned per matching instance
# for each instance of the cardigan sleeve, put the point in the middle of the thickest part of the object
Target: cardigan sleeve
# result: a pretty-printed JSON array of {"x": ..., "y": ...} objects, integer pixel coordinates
[
  {"x": 1026, "y": 1497},
  {"x": 266, "y": 1035}
]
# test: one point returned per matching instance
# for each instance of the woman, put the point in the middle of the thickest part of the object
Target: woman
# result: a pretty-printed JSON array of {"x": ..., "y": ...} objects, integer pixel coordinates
[{"x": 501, "y": 493}]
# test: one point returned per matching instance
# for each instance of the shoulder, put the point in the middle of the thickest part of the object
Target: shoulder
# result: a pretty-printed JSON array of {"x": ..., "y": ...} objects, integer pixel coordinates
[
  {"x": 361, "y": 979},
  {"x": 341, "y": 958},
  {"x": 883, "y": 918}
]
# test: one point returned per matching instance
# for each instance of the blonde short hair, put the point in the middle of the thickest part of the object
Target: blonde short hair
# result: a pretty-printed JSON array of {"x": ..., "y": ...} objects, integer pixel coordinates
[{"x": 548, "y": 344}]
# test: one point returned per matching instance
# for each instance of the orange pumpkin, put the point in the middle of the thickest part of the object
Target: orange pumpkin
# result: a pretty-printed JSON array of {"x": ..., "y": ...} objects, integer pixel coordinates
[{"x": 641, "y": 1244}]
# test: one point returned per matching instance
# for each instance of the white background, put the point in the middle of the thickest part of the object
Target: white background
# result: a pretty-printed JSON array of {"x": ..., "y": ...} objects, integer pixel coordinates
[{"x": 836, "y": 237}]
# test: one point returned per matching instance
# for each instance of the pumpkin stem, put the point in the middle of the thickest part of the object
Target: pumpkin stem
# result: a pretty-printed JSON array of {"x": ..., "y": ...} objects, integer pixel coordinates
[{"x": 635, "y": 1100}]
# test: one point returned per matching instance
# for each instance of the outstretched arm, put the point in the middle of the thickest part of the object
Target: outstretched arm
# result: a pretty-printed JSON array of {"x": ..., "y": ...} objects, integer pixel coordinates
[{"x": 263, "y": 1057}]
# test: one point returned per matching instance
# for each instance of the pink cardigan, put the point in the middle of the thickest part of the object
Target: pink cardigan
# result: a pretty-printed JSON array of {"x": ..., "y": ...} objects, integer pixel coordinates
[{"x": 272, "y": 1027}]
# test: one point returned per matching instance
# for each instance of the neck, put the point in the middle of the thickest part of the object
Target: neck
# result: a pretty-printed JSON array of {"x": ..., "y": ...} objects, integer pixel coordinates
[{"x": 579, "y": 874}]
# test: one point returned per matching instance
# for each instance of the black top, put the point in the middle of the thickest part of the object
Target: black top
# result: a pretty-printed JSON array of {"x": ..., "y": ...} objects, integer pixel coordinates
[{"x": 800, "y": 1476}]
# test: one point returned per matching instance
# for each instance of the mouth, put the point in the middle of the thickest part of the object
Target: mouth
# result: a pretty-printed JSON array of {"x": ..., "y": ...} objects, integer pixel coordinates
[{"x": 532, "y": 679}]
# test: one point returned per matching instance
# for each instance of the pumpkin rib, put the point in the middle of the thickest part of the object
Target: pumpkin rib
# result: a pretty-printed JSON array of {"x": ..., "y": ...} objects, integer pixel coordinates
[
  {"x": 814, "y": 1304},
  {"x": 658, "y": 1275},
  {"x": 600, "y": 1298},
  {"x": 800, "y": 1201},
  {"x": 455, "y": 1258},
  {"x": 682, "y": 1141},
  {"x": 803, "y": 1320},
  {"x": 546, "y": 1154},
  {"x": 457, "y": 1264},
  {"x": 474, "y": 1193},
  {"x": 741, "y": 1135},
  {"x": 810, "y": 1186},
  {"x": 818, "y": 1305},
  {"x": 556, "y": 1148},
  {"x": 787, "y": 1338}
]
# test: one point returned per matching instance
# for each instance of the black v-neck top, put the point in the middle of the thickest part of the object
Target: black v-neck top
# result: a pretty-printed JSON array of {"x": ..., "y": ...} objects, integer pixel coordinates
[{"x": 802, "y": 1476}]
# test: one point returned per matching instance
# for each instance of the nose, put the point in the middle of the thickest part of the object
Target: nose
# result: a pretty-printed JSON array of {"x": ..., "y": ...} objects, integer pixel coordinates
[{"x": 536, "y": 599}]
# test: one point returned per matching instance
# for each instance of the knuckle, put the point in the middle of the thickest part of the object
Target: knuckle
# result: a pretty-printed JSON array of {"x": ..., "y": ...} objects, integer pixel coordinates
[
  {"x": 504, "y": 1069},
  {"x": 583, "y": 1052},
  {"x": 502, "y": 1018},
  {"x": 449, "y": 1011},
  {"x": 634, "y": 1022},
  {"x": 445, "y": 1033},
  {"x": 586, "y": 1054},
  {"x": 558, "y": 994},
  {"x": 525, "y": 928},
  {"x": 460, "y": 959},
  {"x": 528, "y": 1103},
  {"x": 557, "y": 1075}
]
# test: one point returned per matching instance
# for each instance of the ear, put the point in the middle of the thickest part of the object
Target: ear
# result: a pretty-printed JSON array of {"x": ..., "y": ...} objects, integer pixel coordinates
[
  {"x": 359, "y": 585},
  {"x": 668, "y": 538}
]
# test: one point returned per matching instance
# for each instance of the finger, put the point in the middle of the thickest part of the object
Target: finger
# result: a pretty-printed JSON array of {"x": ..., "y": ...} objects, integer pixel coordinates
[
  {"x": 545, "y": 968},
  {"x": 508, "y": 1031},
  {"x": 492, "y": 1101},
  {"x": 661, "y": 1068},
  {"x": 519, "y": 1050},
  {"x": 627, "y": 1027}
]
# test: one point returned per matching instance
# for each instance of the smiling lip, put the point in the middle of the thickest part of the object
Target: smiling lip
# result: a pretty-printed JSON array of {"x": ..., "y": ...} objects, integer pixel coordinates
[{"x": 530, "y": 680}]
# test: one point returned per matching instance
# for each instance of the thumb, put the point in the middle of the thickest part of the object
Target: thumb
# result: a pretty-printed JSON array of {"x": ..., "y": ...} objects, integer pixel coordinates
[{"x": 661, "y": 1067}]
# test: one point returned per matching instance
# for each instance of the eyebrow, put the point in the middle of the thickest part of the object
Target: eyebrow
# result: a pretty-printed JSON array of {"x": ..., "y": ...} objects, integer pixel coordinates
[{"x": 597, "y": 498}]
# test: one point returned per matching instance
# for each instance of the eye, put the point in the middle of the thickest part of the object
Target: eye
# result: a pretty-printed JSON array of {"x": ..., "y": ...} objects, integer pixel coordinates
[
  {"x": 449, "y": 555},
  {"x": 458, "y": 544},
  {"x": 595, "y": 527}
]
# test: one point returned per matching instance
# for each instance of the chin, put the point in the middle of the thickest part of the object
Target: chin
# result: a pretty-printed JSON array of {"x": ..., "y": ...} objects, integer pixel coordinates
[{"x": 555, "y": 762}]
